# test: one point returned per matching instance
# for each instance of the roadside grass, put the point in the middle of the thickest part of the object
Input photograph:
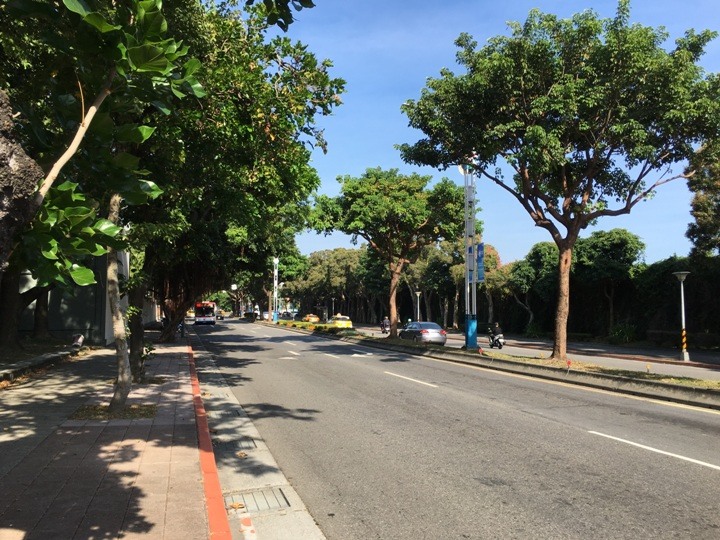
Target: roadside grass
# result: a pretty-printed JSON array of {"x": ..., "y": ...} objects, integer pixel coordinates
[{"x": 586, "y": 367}]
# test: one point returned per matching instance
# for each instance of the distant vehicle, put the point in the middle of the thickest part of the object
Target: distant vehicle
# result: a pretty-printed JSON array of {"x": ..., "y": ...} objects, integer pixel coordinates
[
  {"x": 424, "y": 332},
  {"x": 311, "y": 317},
  {"x": 341, "y": 321},
  {"x": 205, "y": 312},
  {"x": 287, "y": 316}
]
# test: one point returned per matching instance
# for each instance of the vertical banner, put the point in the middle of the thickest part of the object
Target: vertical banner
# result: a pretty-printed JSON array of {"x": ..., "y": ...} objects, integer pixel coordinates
[{"x": 481, "y": 262}]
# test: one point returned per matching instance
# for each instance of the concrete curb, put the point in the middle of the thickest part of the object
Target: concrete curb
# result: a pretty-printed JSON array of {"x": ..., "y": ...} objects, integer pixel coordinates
[
  {"x": 17, "y": 369},
  {"x": 218, "y": 524},
  {"x": 687, "y": 395},
  {"x": 259, "y": 477}
]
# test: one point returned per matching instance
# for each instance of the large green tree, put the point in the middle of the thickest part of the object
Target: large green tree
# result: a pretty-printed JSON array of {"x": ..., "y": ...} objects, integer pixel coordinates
[
  {"x": 396, "y": 215},
  {"x": 588, "y": 114},
  {"x": 606, "y": 259},
  {"x": 81, "y": 72},
  {"x": 704, "y": 231},
  {"x": 235, "y": 165}
]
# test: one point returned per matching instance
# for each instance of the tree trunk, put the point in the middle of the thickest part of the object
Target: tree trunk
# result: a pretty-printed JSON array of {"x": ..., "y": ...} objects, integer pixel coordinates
[
  {"x": 372, "y": 314},
  {"x": 563, "y": 306},
  {"x": 427, "y": 295},
  {"x": 10, "y": 308},
  {"x": 456, "y": 309},
  {"x": 124, "y": 377},
  {"x": 40, "y": 329},
  {"x": 395, "y": 274},
  {"x": 609, "y": 291},
  {"x": 136, "y": 299},
  {"x": 491, "y": 305},
  {"x": 445, "y": 310},
  {"x": 526, "y": 306},
  {"x": 18, "y": 183}
]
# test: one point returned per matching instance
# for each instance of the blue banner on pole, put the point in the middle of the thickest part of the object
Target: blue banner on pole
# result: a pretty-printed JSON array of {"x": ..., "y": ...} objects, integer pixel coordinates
[{"x": 481, "y": 262}]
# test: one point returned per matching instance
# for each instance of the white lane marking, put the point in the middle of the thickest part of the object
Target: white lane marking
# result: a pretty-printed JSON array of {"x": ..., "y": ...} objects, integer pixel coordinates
[
  {"x": 361, "y": 353},
  {"x": 286, "y": 358},
  {"x": 409, "y": 379},
  {"x": 656, "y": 450},
  {"x": 267, "y": 335},
  {"x": 331, "y": 355},
  {"x": 290, "y": 343},
  {"x": 295, "y": 353}
]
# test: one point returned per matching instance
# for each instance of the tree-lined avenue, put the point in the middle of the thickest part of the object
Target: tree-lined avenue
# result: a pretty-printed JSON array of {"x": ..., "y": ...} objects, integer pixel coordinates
[{"x": 385, "y": 445}]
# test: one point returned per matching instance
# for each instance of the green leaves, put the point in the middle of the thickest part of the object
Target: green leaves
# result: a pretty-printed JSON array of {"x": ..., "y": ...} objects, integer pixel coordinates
[
  {"x": 90, "y": 17},
  {"x": 568, "y": 104},
  {"x": 395, "y": 213},
  {"x": 66, "y": 231},
  {"x": 132, "y": 133},
  {"x": 149, "y": 58}
]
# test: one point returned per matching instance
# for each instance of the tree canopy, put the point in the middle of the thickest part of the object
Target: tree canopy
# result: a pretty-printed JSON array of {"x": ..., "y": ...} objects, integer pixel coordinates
[
  {"x": 395, "y": 214},
  {"x": 589, "y": 116}
]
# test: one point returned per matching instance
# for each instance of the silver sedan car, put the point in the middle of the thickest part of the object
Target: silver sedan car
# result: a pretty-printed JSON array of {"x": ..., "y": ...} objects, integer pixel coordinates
[{"x": 424, "y": 332}]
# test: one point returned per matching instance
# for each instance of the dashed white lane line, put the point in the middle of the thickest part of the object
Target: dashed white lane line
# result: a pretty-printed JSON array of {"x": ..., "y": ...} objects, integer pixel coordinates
[
  {"x": 410, "y": 379},
  {"x": 656, "y": 450},
  {"x": 331, "y": 355},
  {"x": 295, "y": 353}
]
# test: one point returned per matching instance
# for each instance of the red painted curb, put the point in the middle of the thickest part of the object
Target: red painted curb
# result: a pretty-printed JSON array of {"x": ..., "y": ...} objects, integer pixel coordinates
[{"x": 218, "y": 524}]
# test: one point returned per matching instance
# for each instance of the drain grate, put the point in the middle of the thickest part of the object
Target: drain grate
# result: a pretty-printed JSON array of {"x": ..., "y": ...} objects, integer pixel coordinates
[{"x": 256, "y": 501}]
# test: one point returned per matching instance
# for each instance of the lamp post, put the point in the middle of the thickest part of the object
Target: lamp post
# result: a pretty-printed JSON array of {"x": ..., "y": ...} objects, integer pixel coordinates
[
  {"x": 333, "y": 307},
  {"x": 681, "y": 278},
  {"x": 417, "y": 293},
  {"x": 236, "y": 306},
  {"x": 275, "y": 289},
  {"x": 470, "y": 259}
]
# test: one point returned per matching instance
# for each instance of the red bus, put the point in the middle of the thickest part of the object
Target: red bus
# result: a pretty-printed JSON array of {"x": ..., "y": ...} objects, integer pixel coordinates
[{"x": 205, "y": 312}]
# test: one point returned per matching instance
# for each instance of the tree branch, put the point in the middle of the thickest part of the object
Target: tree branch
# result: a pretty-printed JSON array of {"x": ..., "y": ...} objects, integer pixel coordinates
[{"x": 75, "y": 144}]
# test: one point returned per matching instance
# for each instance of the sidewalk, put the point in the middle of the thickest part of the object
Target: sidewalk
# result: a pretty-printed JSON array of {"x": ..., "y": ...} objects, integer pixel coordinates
[{"x": 85, "y": 479}]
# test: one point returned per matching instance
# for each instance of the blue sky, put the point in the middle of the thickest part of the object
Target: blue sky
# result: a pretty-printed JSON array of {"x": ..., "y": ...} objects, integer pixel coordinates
[{"x": 386, "y": 49}]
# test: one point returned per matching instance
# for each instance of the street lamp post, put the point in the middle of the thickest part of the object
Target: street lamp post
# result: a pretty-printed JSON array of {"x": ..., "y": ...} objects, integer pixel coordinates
[
  {"x": 681, "y": 278},
  {"x": 417, "y": 293},
  {"x": 276, "y": 261},
  {"x": 470, "y": 260},
  {"x": 333, "y": 306},
  {"x": 236, "y": 306}
]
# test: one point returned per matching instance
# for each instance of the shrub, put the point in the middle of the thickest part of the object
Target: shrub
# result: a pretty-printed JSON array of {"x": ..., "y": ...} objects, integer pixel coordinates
[{"x": 622, "y": 333}]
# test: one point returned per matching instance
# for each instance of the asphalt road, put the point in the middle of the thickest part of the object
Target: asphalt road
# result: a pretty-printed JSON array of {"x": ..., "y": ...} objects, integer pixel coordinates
[{"x": 389, "y": 446}]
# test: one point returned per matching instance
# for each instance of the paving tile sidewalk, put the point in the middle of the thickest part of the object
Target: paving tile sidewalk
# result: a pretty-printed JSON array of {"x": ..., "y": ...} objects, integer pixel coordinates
[{"x": 70, "y": 479}]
